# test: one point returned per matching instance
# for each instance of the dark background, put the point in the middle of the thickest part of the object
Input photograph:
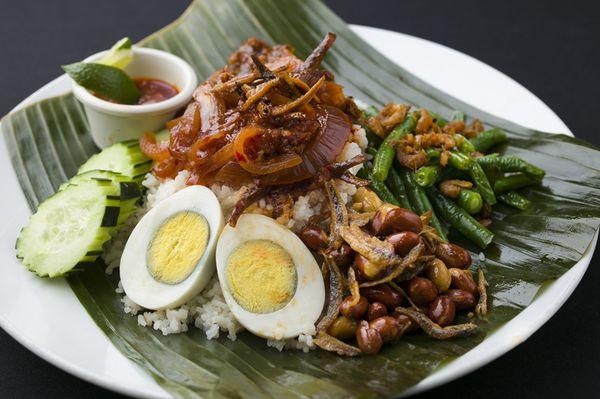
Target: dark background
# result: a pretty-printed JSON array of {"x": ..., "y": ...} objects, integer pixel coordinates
[{"x": 551, "y": 47}]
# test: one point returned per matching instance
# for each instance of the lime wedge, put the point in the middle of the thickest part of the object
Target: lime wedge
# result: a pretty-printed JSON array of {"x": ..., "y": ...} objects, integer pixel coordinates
[
  {"x": 119, "y": 55},
  {"x": 104, "y": 81}
]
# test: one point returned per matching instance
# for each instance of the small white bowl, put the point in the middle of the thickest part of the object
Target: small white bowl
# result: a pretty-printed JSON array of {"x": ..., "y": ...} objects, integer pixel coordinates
[{"x": 111, "y": 123}]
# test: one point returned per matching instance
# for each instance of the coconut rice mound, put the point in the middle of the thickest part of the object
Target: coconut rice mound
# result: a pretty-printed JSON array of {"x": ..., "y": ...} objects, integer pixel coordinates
[{"x": 208, "y": 311}]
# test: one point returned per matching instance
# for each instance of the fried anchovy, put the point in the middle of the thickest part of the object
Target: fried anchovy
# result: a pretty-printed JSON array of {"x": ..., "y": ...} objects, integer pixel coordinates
[
  {"x": 298, "y": 102},
  {"x": 360, "y": 219},
  {"x": 339, "y": 168},
  {"x": 412, "y": 271},
  {"x": 331, "y": 344},
  {"x": 335, "y": 292},
  {"x": 436, "y": 331},
  {"x": 234, "y": 83},
  {"x": 352, "y": 179},
  {"x": 353, "y": 286},
  {"x": 339, "y": 214},
  {"x": 380, "y": 253},
  {"x": 248, "y": 198},
  {"x": 481, "y": 309},
  {"x": 404, "y": 295},
  {"x": 262, "y": 69},
  {"x": 314, "y": 60},
  {"x": 407, "y": 262}
]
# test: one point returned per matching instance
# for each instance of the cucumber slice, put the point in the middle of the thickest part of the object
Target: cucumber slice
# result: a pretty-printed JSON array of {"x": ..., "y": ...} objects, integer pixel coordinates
[
  {"x": 125, "y": 158},
  {"x": 99, "y": 175},
  {"x": 129, "y": 191},
  {"x": 69, "y": 228}
]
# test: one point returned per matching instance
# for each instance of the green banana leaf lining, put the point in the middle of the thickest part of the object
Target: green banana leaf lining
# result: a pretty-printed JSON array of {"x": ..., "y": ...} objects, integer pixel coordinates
[{"x": 48, "y": 140}]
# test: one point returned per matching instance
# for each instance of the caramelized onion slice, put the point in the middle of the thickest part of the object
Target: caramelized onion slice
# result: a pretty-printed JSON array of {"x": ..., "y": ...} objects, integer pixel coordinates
[
  {"x": 158, "y": 152},
  {"x": 327, "y": 144},
  {"x": 184, "y": 131},
  {"x": 233, "y": 175},
  {"x": 216, "y": 160},
  {"x": 276, "y": 164}
]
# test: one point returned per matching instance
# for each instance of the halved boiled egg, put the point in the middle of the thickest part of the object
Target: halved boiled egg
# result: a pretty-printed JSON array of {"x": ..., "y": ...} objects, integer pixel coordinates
[
  {"x": 169, "y": 256},
  {"x": 270, "y": 280}
]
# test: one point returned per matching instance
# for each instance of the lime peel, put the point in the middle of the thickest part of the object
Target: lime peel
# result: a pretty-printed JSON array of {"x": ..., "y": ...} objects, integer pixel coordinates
[{"x": 120, "y": 54}]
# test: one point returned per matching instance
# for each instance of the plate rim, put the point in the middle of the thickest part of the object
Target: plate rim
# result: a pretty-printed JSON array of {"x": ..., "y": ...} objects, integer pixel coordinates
[{"x": 568, "y": 281}]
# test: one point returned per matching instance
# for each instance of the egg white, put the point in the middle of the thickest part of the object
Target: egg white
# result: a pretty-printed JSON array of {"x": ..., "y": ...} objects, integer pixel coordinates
[
  {"x": 302, "y": 311},
  {"x": 138, "y": 283}
]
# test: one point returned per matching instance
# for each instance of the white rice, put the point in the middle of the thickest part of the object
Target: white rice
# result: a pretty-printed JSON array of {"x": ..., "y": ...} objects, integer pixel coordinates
[{"x": 209, "y": 311}]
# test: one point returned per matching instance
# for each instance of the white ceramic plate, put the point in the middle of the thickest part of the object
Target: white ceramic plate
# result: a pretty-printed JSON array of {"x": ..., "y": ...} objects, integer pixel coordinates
[{"x": 46, "y": 317}]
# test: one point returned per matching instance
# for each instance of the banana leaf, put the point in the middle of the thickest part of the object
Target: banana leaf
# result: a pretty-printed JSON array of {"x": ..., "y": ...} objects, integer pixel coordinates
[{"x": 48, "y": 140}]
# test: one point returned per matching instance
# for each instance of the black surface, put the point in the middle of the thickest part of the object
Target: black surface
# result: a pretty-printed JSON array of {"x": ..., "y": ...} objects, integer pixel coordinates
[{"x": 550, "y": 47}]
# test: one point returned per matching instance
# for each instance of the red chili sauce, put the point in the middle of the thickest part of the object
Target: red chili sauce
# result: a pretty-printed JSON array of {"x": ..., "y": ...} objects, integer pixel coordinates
[{"x": 154, "y": 90}]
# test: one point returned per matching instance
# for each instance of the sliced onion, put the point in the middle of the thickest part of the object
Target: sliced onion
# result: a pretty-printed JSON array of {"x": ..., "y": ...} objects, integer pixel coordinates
[
  {"x": 276, "y": 164},
  {"x": 184, "y": 131},
  {"x": 327, "y": 144},
  {"x": 158, "y": 152},
  {"x": 217, "y": 160},
  {"x": 233, "y": 175}
]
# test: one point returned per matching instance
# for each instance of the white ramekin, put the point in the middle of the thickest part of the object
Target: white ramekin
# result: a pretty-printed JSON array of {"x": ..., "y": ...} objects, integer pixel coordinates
[{"x": 110, "y": 122}]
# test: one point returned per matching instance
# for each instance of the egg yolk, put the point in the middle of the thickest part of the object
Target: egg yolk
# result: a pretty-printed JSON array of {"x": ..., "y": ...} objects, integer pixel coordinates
[
  {"x": 261, "y": 276},
  {"x": 177, "y": 247}
]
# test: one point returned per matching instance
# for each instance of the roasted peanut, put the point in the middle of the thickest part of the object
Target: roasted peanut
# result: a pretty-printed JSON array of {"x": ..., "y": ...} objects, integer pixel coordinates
[
  {"x": 343, "y": 256},
  {"x": 453, "y": 255},
  {"x": 393, "y": 219},
  {"x": 367, "y": 200},
  {"x": 462, "y": 299},
  {"x": 403, "y": 242},
  {"x": 354, "y": 312},
  {"x": 442, "y": 310},
  {"x": 387, "y": 326},
  {"x": 421, "y": 291},
  {"x": 437, "y": 272},
  {"x": 343, "y": 328},
  {"x": 384, "y": 294},
  {"x": 367, "y": 269},
  {"x": 463, "y": 280},
  {"x": 314, "y": 238},
  {"x": 376, "y": 310},
  {"x": 369, "y": 340}
]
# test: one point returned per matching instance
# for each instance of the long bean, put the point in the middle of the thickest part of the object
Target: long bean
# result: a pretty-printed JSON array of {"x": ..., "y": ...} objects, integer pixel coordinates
[
  {"x": 515, "y": 200},
  {"x": 426, "y": 176},
  {"x": 452, "y": 173},
  {"x": 385, "y": 155},
  {"x": 508, "y": 183},
  {"x": 419, "y": 201},
  {"x": 481, "y": 181},
  {"x": 394, "y": 182},
  {"x": 432, "y": 153},
  {"x": 438, "y": 119},
  {"x": 382, "y": 191},
  {"x": 510, "y": 163},
  {"x": 459, "y": 160},
  {"x": 466, "y": 146},
  {"x": 458, "y": 218},
  {"x": 470, "y": 200},
  {"x": 371, "y": 151},
  {"x": 488, "y": 139}
]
